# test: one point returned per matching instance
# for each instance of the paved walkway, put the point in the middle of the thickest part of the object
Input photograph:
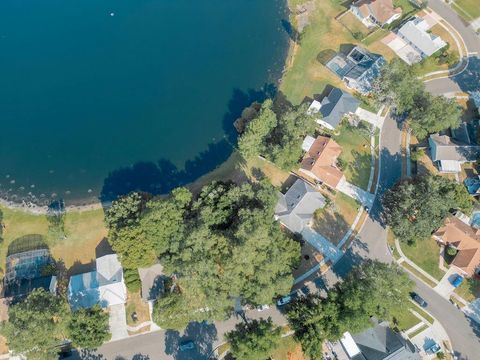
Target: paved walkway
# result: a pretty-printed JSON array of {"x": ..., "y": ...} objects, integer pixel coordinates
[
  {"x": 370, "y": 117},
  {"x": 362, "y": 196},
  {"x": 445, "y": 287},
  {"x": 329, "y": 251},
  {"x": 117, "y": 321}
]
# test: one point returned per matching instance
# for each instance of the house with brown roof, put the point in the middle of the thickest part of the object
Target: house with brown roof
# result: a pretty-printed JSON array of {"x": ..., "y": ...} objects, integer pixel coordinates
[
  {"x": 375, "y": 12},
  {"x": 320, "y": 160},
  {"x": 466, "y": 240}
]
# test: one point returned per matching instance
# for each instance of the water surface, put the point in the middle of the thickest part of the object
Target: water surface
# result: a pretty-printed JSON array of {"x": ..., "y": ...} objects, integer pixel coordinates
[{"x": 101, "y": 97}]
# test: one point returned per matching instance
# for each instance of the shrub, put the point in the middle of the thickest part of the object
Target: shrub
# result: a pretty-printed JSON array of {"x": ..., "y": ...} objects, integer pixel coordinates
[
  {"x": 417, "y": 154},
  {"x": 451, "y": 251},
  {"x": 132, "y": 280}
]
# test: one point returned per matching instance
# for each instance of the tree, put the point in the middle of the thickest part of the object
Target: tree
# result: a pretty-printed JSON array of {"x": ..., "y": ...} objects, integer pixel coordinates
[
  {"x": 314, "y": 320},
  {"x": 432, "y": 114},
  {"x": 231, "y": 247},
  {"x": 36, "y": 325},
  {"x": 165, "y": 220},
  {"x": 398, "y": 86},
  {"x": 125, "y": 211},
  {"x": 254, "y": 340},
  {"x": 88, "y": 328},
  {"x": 372, "y": 289},
  {"x": 415, "y": 208},
  {"x": 133, "y": 247},
  {"x": 252, "y": 142}
]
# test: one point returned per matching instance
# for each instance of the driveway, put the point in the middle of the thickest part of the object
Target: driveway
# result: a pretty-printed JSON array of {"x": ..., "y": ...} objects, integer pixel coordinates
[
  {"x": 319, "y": 242},
  {"x": 363, "y": 197},
  {"x": 369, "y": 117},
  {"x": 118, "y": 321},
  {"x": 445, "y": 287}
]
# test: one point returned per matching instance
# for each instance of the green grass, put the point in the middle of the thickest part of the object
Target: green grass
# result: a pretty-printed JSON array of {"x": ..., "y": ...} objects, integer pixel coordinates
[
  {"x": 378, "y": 35},
  {"x": 287, "y": 349},
  {"x": 423, "y": 313},
  {"x": 469, "y": 289},
  {"x": 356, "y": 155},
  {"x": 424, "y": 253},
  {"x": 471, "y": 7},
  {"x": 84, "y": 231},
  {"x": 418, "y": 331},
  {"x": 404, "y": 319}
]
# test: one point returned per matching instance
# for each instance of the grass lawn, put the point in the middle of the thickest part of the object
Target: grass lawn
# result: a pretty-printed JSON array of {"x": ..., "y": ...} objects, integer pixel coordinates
[
  {"x": 425, "y": 253},
  {"x": 469, "y": 289},
  {"x": 418, "y": 331},
  {"x": 352, "y": 23},
  {"x": 468, "y": 9},
  {"x": 84, "y": 231},
  {"x": 306, "y": 75},
  {"x": 355, "y": 154},
  {"x": 288, "y": 349},
  {"x": 404, "y": 319},
  {"x": 136, "y": 305},
  {"x": 334, "y": 222}
]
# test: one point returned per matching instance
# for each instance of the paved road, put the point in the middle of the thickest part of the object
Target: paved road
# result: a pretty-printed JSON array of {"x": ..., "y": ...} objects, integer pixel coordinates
[{"x": 469, "y": 79}]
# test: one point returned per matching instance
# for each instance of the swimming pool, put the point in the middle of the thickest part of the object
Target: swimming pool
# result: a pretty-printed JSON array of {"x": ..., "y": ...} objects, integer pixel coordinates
[{"x": 475, "y": 220}]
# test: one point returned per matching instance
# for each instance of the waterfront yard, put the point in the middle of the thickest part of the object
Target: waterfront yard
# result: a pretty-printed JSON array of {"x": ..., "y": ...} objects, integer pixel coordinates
[{"x": 84, "y": 231}]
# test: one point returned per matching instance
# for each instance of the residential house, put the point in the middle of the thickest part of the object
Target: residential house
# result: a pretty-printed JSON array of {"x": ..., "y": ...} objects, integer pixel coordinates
[
  {"x": 375, "y": 12},
  {"x": 320, "y": 160},
  {"x": 295, "y": 209},
  {"x": 104, "y": 286},
  {"x": 449, "y": 154},
  {"x": 24, "y": 272},
  {"x": 466, "y": 240},
  {"x": 152, "y": 279},
  {"x": 358, "y": 69},
  {"x": 415, "y": 33},
  {"x": 378, "y": 343},
  {"x": 333, "y": 108}
]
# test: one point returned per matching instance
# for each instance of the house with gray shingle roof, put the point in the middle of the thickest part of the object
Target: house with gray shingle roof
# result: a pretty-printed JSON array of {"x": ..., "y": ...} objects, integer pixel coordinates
[
  {"x": 333, "y": 108},
  {"x": 449, "y": 154},
  {"x": 378, "y": 343},
  {"x": 295, "y": 209},
  {"x": 358, "y": 69},
  {"x": 415, "y": 33}
]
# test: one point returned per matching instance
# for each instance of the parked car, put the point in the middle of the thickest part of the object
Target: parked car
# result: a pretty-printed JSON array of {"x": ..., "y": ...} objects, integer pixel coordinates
[
  {"x": 187, "y": 345},
  {"x": 263, "y": 307},
  {"x": 433, "y": 349},
  {"x": 457, "y": 281},
  {"x": 284, "y": 300},
  {"x": 418, "y": 299}
]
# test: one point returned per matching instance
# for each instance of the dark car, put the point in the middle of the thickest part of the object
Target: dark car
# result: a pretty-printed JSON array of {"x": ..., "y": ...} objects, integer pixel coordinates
[
  {"x": 187, "y": 345},
  {"x": 418, "y": 299}
]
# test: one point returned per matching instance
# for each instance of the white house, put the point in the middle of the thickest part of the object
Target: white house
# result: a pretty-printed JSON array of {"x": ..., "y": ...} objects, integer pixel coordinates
[
  {"x": 450, "y": 154},
  {"x": 104, "y": 286}
]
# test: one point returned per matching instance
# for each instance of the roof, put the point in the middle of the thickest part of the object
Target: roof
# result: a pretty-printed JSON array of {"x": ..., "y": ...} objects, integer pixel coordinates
[
  {"x": 414, "y": 31},
  {"x": 381, "y": 10},
  {"x": 26, "y": 264},
  {"x": 152, "y": 281},
  {"x": 320, "y": 159},
  {"x": 25, "y": 286},
  {"x": 103, "y": 286},
  {"x": 466, "y": 240},
  {"x": 295, "y": 209},
  {"x": 382, "y": 343},
  {"x": 336, "y": 105},
  {"x": 444, "y": 148}
]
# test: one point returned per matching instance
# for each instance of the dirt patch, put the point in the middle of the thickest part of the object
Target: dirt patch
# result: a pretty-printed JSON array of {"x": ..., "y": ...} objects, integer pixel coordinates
[{"x": 302, "y": 16}]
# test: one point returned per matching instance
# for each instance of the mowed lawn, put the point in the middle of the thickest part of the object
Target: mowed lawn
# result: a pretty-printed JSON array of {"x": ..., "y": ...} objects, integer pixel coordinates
[
  {"x": 324, "y": 35},
  {"x": 356, "y": 154},
  {"x": 84, "y": 231},
  {"x": 471, "y": 9},
  {"x": 425, "y": 253}
]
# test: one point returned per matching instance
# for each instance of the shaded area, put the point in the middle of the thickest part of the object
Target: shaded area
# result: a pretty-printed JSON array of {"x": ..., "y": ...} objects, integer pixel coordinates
[
  {"x": 27, "y": 243},
  {"x": 162, "y": 176},
  {"x": 203, "y": 336}
]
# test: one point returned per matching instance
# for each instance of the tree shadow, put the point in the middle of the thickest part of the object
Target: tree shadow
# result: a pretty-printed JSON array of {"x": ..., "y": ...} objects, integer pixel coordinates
[
  {"x": 103, "y": 248},
  {"x": 162, "y": 176},
  {"x": 331, "y": 224},
  {"x": 469, "y": 79},
  {"x": 324, "y": 56},
  {"x": 292, "y": 33},
  {"x": 203, "y": 336},
  {"x": 79, "y": 268}
]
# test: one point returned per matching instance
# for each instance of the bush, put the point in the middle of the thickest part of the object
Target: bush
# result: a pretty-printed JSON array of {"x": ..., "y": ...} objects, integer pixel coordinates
[
  {"x": 451, "y": 251},
  {"x": 417, "y": 154},
  {"x": 132, "y": 280}
]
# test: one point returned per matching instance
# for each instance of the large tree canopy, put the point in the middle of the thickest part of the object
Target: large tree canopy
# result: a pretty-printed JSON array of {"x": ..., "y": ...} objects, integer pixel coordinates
[
  {"x": 88, "y": 328},
  {"x": 36, "y": 325},
  {"x": 278, "y": 137},
  {"x": 255, "y": 340},
  {"x": 400, "y": 87},
  {"x": 231, "y": 247},
  {"x": 415, "y": 208}
]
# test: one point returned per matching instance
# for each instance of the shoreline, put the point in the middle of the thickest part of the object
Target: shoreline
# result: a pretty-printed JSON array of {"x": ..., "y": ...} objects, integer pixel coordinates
[{"x": 35, "y": 209}]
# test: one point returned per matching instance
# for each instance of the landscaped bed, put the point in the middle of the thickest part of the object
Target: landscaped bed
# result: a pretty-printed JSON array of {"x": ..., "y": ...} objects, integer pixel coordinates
[{"x": 136, "y": 305}]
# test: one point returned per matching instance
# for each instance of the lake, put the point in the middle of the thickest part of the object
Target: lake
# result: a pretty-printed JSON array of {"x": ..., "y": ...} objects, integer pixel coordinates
[{"x": 99, "y": 98}]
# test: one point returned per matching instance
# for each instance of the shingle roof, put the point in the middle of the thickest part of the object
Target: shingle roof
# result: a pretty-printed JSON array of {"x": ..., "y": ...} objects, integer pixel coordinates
[
  {"x": 413, "y": 32},
  {"x": 336, "y": 105},
  {"x": 295, "y": 209},
  {"x": 381, "y": 10},
  {"x": 448, "y": 149}
]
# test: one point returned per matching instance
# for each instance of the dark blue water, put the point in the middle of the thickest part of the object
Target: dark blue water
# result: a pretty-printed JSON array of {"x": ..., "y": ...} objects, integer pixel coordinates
[{"x": 100, "y": 97}]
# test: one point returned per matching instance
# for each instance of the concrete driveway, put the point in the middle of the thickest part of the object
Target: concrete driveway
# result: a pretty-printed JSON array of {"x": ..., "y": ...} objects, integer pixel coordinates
[
  {"x": 118, "y": 321},
  {"x": 445, "y": 287},
  {"x": 363, "y": 197}
]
